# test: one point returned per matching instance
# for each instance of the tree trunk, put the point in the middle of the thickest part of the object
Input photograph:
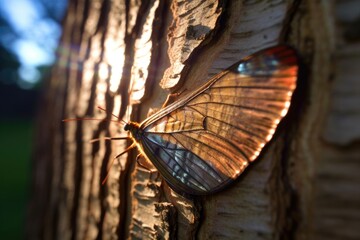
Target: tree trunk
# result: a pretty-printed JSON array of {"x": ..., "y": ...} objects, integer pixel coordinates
[{"x": 125, "y": 55}]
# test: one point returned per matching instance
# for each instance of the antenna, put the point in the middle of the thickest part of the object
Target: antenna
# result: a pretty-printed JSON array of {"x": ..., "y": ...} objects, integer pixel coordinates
[
  {"x": 103, "y": 109},
  {"x": 96, "y": 119},
  {"x": 105, "y": 138}
]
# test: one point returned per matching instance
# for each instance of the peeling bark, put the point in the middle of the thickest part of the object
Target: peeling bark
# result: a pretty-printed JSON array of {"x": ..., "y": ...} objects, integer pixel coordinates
[{"x": 125, "y": 55}]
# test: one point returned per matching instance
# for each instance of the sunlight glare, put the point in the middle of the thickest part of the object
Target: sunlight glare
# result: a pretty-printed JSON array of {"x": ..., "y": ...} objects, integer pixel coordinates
[
  {"x": 103, "y": 71},
  {"x": 142, "y": 57},
  {"x": 116, "y": 58}
]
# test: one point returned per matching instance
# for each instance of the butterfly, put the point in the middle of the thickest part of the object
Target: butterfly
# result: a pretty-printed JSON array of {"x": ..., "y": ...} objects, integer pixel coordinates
[{"x": 203, "y": 141}]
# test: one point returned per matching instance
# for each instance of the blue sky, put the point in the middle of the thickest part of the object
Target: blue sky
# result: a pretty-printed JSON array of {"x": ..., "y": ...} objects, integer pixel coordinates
[{"x": 32, "y": 33}]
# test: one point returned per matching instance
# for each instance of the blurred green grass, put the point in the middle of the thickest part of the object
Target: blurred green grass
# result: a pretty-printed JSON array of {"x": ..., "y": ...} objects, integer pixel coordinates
[{"x": 15, "y": 152}]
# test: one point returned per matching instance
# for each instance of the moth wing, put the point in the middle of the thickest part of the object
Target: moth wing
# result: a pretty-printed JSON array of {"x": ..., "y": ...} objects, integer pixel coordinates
[{"x": 204, "y": 141}]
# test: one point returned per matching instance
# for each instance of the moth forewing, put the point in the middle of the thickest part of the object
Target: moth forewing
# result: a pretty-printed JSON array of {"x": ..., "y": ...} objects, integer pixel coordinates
[{"x": 205, "y": 139}]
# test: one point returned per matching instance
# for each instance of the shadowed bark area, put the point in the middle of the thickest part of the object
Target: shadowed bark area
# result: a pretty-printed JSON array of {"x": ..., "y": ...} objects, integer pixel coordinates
[{"x": 126, "y": 56}]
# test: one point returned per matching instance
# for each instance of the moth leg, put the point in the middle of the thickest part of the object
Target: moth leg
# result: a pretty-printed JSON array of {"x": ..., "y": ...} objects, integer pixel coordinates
[
  {"x": 143, "y": 162},
  {"x": 146, "y": 164},
  {"x": 172, "y": 97},
  {"x": 117, "y": 157}
]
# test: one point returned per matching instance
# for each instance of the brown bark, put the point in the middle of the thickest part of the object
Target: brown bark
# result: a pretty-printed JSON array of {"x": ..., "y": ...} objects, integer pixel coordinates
[{"x": 117, "y": 54}]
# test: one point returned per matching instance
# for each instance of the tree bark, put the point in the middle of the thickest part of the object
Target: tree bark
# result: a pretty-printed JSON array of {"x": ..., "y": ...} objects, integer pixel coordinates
[{"x": 126, "y": 56}]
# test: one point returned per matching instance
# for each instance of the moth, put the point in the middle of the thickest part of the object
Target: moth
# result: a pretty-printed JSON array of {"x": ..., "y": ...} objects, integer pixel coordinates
[{"x": 203, "y": 141}]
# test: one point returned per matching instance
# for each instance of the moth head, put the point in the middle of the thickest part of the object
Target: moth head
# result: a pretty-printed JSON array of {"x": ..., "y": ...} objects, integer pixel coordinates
[{"x": 131, "y": 126}]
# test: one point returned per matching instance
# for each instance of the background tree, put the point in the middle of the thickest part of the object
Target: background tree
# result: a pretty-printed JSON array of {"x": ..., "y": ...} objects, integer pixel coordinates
[{"x": 122, "y": 55}]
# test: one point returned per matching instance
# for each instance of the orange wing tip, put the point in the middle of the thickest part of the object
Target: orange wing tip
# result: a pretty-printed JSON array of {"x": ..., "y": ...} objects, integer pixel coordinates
[
  {"x": 284, "y": 112},
  {"x": 269, "y": 136},
  {"x": 239, "y": 171},
  {"x": 255, "y": 155}
]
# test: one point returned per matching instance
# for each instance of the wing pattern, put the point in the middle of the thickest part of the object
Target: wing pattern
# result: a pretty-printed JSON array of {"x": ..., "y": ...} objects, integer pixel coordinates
[{"x": 205, "y": 140}]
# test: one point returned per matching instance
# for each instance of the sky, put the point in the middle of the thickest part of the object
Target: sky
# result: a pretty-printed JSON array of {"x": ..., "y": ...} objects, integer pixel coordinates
[{"x": 31, "y": 31}]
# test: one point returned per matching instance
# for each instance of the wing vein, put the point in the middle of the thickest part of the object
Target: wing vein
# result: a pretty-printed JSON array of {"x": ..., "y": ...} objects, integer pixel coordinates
[
  {"x": 180, "y": 166},
  {"x": 236, "y": 106},
  {"x": 189, "y": 150},
  {"x": 208, "y": 165},
  {"x": 238, "y": 120}
]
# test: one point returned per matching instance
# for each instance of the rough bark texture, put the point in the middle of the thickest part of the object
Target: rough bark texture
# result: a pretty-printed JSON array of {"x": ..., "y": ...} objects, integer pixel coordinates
[{"x": 117, "y": 54}]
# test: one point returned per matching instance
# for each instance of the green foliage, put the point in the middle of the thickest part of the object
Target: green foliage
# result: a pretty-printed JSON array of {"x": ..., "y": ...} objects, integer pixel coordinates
[{"x": 15, "y": 150}]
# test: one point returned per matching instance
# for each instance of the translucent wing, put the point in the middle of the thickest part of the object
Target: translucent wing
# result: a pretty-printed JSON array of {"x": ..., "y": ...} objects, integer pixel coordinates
[{"x": 206, "y": 139}]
